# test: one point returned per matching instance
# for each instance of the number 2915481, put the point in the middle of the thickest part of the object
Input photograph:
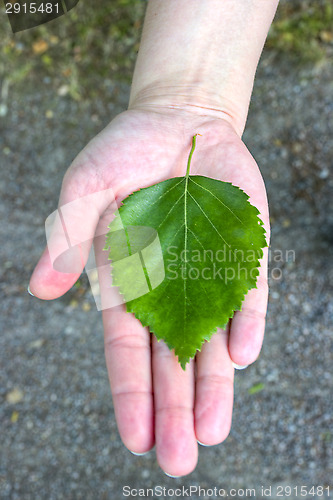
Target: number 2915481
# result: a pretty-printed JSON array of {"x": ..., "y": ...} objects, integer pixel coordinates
[{"x": 32, "y": 8}]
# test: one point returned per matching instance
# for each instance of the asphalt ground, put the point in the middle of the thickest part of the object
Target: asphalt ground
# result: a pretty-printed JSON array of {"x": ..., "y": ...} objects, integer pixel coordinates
[{"x": 58, "y": 434}]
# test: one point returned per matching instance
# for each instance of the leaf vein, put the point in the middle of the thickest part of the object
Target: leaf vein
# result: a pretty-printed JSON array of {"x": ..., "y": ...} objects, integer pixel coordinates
[
  {"x": 197, "y": 239},
  {"x": 171, "y": 209},
  {"x": 166, "y": 192},
  {"x": 217, "y": 231},
  {"x": 216, "y": 198}
]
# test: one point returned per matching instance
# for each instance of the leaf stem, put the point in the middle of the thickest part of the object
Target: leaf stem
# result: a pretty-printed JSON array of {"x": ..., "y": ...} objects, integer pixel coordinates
[{"x": 194, "y": 140}]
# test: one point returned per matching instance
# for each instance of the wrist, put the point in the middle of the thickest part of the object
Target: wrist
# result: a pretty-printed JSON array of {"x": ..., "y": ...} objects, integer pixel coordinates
[
  {"x": 201, "y": 55},
  {"x": 185, "y": 97}
]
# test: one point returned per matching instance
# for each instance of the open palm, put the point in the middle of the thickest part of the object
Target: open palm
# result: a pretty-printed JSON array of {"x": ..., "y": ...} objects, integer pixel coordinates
[{"x": 155, "y": 401}]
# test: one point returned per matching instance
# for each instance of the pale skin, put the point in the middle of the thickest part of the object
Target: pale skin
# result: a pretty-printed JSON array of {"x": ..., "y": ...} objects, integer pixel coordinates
[{"x": 194, "y": 75}]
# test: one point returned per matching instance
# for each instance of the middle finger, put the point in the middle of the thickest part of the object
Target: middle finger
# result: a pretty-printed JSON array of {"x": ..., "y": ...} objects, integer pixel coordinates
[{"x": 176, "y": 444}]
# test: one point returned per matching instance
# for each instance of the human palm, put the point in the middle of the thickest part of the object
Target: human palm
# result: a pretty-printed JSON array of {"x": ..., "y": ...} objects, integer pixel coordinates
[{"x": 155, "y": 401}]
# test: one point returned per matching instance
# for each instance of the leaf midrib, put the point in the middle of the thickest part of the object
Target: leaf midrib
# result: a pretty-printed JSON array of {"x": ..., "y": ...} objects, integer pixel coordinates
[{"x": 185, "y": 250}]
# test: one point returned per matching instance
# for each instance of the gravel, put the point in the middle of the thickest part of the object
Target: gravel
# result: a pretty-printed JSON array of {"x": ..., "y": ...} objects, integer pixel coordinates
[{"x": 58, "y": 434}]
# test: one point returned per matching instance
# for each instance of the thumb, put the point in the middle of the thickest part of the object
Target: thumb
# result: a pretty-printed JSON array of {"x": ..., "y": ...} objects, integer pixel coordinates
[{"x": 70, "y": 231}]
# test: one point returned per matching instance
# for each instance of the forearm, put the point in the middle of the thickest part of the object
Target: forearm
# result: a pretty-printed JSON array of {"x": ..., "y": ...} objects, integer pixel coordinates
[{"x": 201, "y": 54}]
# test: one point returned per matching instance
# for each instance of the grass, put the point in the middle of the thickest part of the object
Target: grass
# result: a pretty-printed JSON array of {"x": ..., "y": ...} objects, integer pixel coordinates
[
  {"x": 81, "y": 51},
  {"x": 303, "y": 30},
  {"x": 96, "y": 44}
]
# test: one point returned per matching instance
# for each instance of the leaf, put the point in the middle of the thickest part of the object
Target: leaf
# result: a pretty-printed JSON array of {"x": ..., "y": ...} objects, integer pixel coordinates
[
  {"x": 185, "y": 252},
  {"x": 256, "y": 388},
  {"x": 39, "y": 46},
  {"x": 14, "y": 417}
]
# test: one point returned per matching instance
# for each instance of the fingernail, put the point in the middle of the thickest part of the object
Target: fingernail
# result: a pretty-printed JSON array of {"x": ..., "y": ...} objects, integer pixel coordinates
[
  {"x": 138, "y": 454},
  {"x": 239, "y": 367},
  {"x": 203, "y": 444},
  {"x": 170, "y": 475},
  {"x": 29, "y": 291}
]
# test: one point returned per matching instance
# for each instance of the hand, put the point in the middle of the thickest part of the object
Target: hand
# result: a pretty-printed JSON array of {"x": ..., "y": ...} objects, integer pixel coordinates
[{"x": 155, "y": 401}]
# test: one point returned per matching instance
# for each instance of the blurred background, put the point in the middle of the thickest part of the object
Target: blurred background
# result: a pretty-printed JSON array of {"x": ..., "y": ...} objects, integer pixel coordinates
[{"x": 60, "y": 84}]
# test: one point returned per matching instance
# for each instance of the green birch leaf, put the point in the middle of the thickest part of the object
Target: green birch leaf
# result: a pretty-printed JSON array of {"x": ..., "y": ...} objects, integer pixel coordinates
[{"x": 184, "y": 254}]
